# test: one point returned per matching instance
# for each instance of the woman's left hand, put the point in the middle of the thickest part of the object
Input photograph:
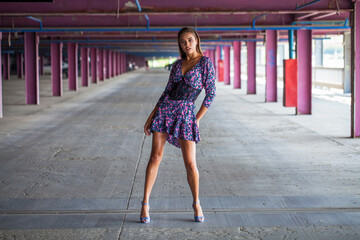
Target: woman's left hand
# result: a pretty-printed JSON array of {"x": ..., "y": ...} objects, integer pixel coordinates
[{"x": 198, "y": 122}]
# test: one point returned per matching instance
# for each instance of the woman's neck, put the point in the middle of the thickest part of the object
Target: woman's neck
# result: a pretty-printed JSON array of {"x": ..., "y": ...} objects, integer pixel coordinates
[{"x": 193, "y": 56}]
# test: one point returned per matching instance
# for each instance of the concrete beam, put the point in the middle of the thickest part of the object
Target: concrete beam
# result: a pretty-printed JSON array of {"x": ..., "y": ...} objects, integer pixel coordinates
[
  {"x": 1, "y": 92},
  {"x": 20, "y": 64},
  {"x": 251, "y": 67},
  {"x": 226, "y": 65},
  {"x": 85, "y": 67},
  {"x": 237, "y": 64},
  {"x": 355, "y": 78},
  {"x": 73, "y": 66},
  {"x": 6, "y": 66},
  {"x": 56, "y": 69},
  {"x": 32, "y": 68},
  {"x": 303, "y": 53},
  {"x": 271, "y": 66},
  {"x": 94, "y": 65}
]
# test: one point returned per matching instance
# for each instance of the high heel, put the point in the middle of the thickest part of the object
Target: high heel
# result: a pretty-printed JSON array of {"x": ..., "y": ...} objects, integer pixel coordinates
[
  {"x": 198, "y": 218},
  {"x": 145, "y": 219}
]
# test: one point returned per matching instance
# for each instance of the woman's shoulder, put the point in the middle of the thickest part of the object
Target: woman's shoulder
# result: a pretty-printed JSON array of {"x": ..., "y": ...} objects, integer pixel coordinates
[{"x": 206, "y": 61}]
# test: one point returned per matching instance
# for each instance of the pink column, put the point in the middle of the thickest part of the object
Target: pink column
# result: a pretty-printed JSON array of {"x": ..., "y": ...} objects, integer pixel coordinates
[
  {"x": 217, "y": 58},
  {"x": 251, "y": 67},
  {"x": 113, "y": 64},
  {"x": 1, "y": 92},
  {"x": 237, "y": 52},
  {"x": 122, "y": 69},
  {"x": 101, "y": 65},
  {"x": 303, "y": 53},
  {"x": 56, "y": 69},
  {"x": 106, "y": 63},
  {"x": 94, "y": 64},
  {"x": 85, "y": 67},
  {"x": 271, "y": 66},
  {"x": 213, "y": 56},
  {"x": 6, "y": 66},
  {"x": 355, "y": 73},
  {"x": 32, "y": 68},
  {"x": 110, "y": 64},
  {"x": 73, "y": 66},
  {"x": 19, "y": 64},
  {"x": 41, "y": 65},
  {"x": 118, "y": 63},
  {"x": 227, "y": 65}
]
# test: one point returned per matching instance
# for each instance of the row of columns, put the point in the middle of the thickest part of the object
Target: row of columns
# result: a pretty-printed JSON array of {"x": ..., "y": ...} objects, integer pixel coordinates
[
  {"x": 104, "y": 64},
  {"x": 304, "y": 61}
]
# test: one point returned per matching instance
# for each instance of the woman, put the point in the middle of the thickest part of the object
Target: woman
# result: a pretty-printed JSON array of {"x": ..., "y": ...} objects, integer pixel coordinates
[{"x": 173, "y": 118}]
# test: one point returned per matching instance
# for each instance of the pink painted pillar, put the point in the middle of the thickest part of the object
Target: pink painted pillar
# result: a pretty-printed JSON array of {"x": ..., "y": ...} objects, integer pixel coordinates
[
  {"x": 73, "y": 66},
  {"x": 41, "y": 65},
  {"x": 101, "y": 65},
  {"x": 1, "y": 92},
  {"x": 19, "y": 64},
  {"x": 56, "y": 69},
  {"x": 6, "y": 66},
  {"x": 32, "y": 68},
  {"x": 122, "y": 66},
  {"x": 122, "y": 63},
  {"x": 110, "y": 64},
  {"x": 119, "y": 63},
  {"x": 217, "y": 58},
  {"x": 355, "y": 73},
  {"x": 303, "y": 53},
  {"x": 271, "y": 66},
  {"x": 227, "y": 65},
  {"x": 113, "y": 64},
  {"x": 85, "y": 67},
  {"x": 94, "y": 64},
  {"x": 107, "y": 63},
  {"x": 213, "y": 56},
  {"x": 251, "y": 67},
  {"x": 237, "y": 52}
]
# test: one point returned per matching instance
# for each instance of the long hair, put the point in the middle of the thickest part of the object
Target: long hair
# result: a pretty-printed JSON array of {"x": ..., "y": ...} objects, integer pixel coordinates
[{"x": 197, "y": 37}]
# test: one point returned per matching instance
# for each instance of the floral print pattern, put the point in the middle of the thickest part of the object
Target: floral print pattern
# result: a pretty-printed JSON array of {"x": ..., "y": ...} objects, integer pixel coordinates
[{"x": 176, "y": 109}]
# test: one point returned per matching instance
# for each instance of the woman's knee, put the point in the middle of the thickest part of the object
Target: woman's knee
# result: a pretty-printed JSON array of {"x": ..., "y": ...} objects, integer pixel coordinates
[
  {"x": 191, "y": 167},
  {"x": 156, "y": 157}
]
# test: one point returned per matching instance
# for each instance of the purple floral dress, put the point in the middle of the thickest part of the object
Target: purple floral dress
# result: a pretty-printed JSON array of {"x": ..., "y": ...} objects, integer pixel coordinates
[{"x": 176, "y": 113}]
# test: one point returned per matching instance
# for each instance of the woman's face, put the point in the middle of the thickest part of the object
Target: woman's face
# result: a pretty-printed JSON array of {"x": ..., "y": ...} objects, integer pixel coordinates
[{"x": 188, "y": 43}]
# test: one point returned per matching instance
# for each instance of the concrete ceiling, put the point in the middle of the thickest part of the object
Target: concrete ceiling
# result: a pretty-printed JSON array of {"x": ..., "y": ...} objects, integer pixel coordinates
[{"x": 149, "y": 27}]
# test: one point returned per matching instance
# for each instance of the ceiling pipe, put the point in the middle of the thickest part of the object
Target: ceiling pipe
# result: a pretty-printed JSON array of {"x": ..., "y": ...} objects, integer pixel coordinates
[
  {"x": 324, "y": 16},
  {"x": 146, "y": 16},
  {"x": 137, "y": 41},
  {"x": 307, "y": 15},
  {"x": 308, "y": 4},
  {"x": 175, "y": 29},
  {"x": 114, "y": 13},
  {"x": 254, "y": 20},
  {"x": 37, "y": 20}
]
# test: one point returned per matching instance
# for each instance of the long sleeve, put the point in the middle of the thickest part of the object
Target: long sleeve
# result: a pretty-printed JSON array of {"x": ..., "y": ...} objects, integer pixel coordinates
[
  {"x": 209, "y": 83},
  {"x": 169, "y": 85}
]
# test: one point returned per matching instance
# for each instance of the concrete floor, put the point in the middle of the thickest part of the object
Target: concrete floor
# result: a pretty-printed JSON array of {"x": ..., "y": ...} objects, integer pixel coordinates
[{"x": 73, "y": 167}]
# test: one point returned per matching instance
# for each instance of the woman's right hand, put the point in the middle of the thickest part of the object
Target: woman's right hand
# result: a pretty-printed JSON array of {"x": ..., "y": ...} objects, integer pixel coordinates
[{"x": 147, "y": 128}]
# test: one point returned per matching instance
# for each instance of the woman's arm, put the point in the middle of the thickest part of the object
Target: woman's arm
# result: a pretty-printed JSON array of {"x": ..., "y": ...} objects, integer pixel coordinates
[{"x": 210, "y": 90}]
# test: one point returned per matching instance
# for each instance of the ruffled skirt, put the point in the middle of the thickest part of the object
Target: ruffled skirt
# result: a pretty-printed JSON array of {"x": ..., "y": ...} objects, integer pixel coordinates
[{"x": 178, "y": 119}]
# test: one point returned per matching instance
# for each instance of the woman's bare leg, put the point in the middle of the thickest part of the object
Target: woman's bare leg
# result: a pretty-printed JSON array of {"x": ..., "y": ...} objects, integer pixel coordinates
[
  {"x": 157, "y": 150},
  {"x": 188, "y": 149}
]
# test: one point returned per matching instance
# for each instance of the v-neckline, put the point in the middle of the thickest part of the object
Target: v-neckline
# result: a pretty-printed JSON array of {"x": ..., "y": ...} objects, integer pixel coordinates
[{"x": 190, "y": 68}]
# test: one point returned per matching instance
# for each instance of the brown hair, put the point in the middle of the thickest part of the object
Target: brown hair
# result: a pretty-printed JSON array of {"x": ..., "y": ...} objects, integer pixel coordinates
[{"x": 197, "y": 37}]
